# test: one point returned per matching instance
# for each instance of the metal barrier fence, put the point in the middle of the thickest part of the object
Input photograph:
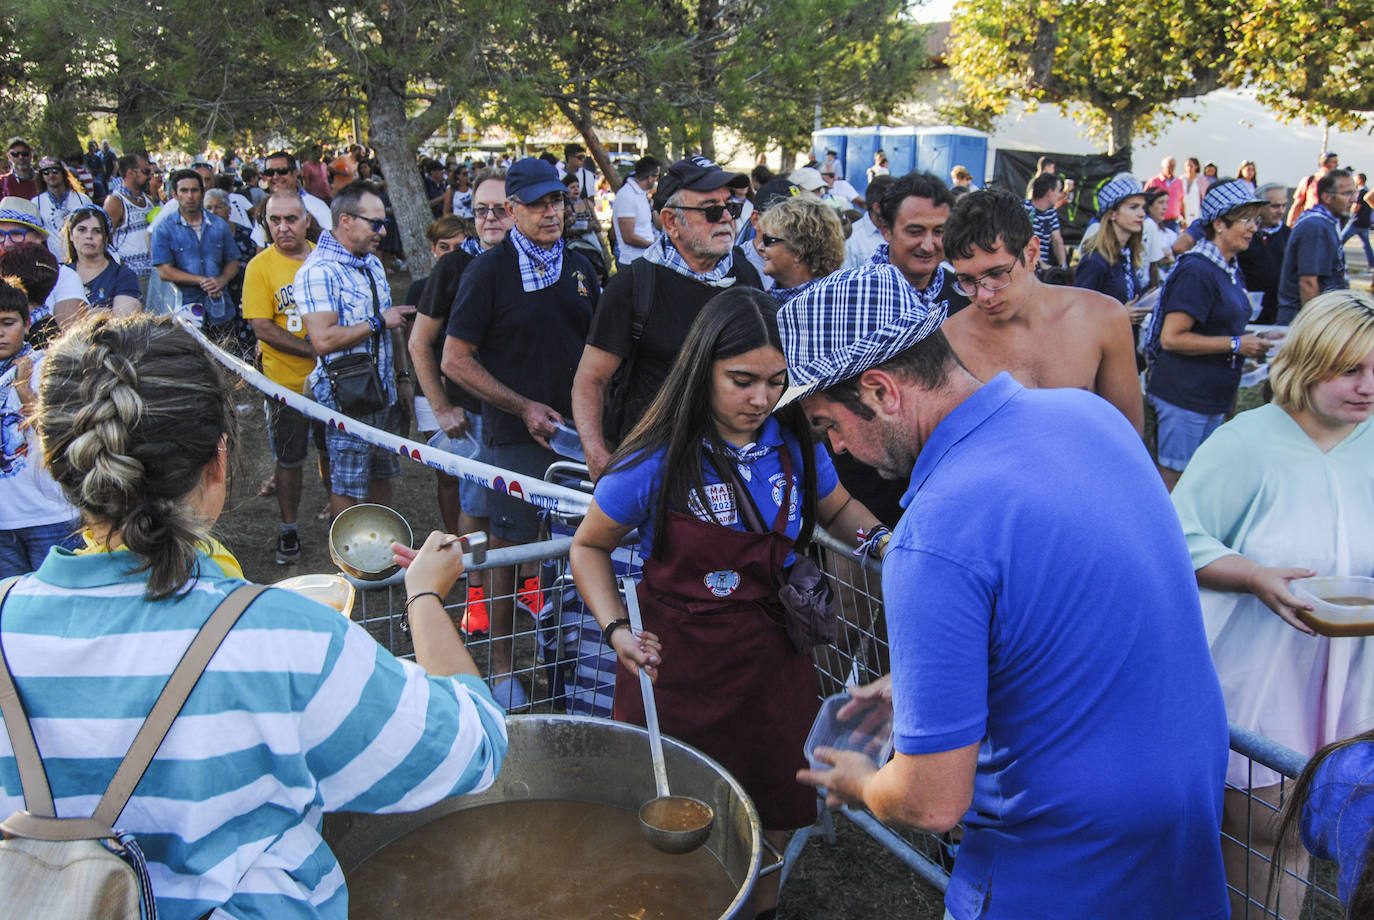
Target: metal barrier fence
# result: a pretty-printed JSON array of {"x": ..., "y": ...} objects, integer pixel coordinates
[{"x": 556, "y": 653}]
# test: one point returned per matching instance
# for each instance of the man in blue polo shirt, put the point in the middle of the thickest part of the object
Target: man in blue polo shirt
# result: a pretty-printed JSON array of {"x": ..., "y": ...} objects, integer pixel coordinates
[
  {"x": 1051, "y": 682},
  {"x": 515, "y": 336},
  {"x": 195, "y": 250},
  {"x": 1314, "y": 261}
]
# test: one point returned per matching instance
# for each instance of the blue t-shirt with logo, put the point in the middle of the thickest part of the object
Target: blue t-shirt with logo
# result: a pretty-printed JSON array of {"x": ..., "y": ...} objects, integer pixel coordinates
[
  {"x": 1041, "y": 604},
  {"x": 629, "y": 494}
]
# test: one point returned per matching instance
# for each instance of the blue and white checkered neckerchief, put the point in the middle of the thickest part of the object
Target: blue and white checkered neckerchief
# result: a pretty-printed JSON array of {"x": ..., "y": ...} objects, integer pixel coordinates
[
  {"x": 1209, "y": 251},
  {"x": 664, "y": 253},
  {"x": 1129, "y": 273},
  {"x": 329, "y": 248},
  {"x": 539, "y": 267},
  {"x": 782, "y": 295},
  {"x": 742, "y": 456},
  {"x": 926, "y": 295},
  {"x": 472, "y": 246}
]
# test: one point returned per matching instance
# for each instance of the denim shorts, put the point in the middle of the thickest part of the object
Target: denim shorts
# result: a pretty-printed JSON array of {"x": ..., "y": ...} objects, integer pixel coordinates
[
  {"x": 23, "y": 549},
  {"x": 475, "y": 499},
  {"x": 512, "y": 519},
  {"x": 1181, "y": 432}
]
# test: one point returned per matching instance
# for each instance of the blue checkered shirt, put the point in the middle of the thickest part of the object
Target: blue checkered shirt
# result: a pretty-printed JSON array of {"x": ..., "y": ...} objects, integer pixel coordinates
[
  {"x": 332, "y": 280},
  {"x": 539, "y": 267}
]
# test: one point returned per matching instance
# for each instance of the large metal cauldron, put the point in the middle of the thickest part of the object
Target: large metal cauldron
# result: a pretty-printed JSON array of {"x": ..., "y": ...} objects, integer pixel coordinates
[{"x": 588, "y": 760}]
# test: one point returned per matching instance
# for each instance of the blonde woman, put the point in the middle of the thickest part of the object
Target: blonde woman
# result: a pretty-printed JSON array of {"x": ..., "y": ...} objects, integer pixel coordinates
[
  {"x": 800, "y": 241},
  {"x": 1111, "y": 258},
  {"x": 1278, "y": 493}
]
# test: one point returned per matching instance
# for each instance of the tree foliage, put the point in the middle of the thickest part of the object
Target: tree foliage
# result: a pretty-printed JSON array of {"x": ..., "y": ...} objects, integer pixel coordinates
[
  {"x": 1309, "y": 59},
  {"x": 1117, "y": 68}
]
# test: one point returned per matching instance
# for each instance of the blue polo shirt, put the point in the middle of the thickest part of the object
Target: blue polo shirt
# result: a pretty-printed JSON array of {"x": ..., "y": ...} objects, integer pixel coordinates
[
  {"x": 629, "y": 494},
  {"x": 1094, "y": 274},
  {"x": 206, "y": 253},
  {"x": 1314, "y": 248},
  {"x": 1041, "y": 604},
  {"x": 1219, "y": 306}
]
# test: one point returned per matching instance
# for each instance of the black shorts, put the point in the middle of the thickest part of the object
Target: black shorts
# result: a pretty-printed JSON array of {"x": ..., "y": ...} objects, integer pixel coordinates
[{"x": 290, "y": 433}]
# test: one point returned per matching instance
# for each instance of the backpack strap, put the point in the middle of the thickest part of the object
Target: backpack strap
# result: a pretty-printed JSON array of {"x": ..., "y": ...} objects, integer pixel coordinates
[
  {"x": 40, "y": 821},
  {"x": 32, "y": 777}
]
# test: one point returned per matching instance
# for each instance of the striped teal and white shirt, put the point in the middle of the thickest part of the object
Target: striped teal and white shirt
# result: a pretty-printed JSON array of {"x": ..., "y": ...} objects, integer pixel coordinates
[{"x": 300, "y": 712}]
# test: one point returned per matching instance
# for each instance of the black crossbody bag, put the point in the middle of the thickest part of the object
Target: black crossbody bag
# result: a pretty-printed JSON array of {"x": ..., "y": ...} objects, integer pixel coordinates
[{"x": 358, "y": 389}]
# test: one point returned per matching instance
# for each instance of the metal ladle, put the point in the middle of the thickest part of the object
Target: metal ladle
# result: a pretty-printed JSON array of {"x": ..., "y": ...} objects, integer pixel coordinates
[{"x": 671, "y": 823}]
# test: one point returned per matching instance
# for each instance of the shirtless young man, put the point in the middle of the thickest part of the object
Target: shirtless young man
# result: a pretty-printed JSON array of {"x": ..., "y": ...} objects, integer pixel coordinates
[{"x": 1044, "y": 335}]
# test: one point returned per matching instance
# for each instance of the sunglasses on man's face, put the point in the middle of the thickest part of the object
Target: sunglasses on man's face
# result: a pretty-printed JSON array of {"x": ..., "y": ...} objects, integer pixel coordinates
[
  {"x": 714, "y": 212},
  {"x": 20, "y": 154},
  {"x": 377, "y": 224},
  {"x": 51, "y": 171},
  {"x": 277, "y": 171}
]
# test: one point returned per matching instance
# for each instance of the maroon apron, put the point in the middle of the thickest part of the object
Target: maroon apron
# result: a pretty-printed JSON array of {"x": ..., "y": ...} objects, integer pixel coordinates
[{"x": 731, "y": 683}]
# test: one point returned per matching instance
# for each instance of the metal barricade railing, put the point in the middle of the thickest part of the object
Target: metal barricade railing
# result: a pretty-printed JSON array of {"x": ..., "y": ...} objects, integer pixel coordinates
[{"x": 563, "y": 666}]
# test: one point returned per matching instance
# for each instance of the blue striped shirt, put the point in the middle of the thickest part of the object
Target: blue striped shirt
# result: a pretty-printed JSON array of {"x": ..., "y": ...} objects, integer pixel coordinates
[{"x": 300, "y": 712}]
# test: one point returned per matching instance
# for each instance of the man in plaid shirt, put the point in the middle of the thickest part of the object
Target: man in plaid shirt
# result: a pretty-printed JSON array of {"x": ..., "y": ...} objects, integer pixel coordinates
[{"x": 342, "y": 294}]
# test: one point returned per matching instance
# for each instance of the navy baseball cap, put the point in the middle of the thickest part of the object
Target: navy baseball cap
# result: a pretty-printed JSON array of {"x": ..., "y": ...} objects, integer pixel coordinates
[
  {"x": 772, "y": 192},
  {"x": 532, "y": 179},
  {"x": 696, "y": 174}
]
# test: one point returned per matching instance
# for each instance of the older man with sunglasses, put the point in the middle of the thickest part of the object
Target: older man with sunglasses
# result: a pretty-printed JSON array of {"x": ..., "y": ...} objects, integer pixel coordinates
[
  {"x": 515, "y": 334},
  {"x": 21, "y": 181},
  {"x": 643, "y": 317}
]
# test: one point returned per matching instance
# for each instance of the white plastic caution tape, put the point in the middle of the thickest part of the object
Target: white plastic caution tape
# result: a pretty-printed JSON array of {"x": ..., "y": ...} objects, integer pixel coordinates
[{"x": 527, "y": 488}]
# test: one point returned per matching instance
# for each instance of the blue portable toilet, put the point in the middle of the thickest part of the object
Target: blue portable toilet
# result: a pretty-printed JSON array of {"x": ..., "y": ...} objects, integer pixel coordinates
[
  {"x": 836, "y": 139},
  {"x": 942, "y": 148},
  {"x": 858, "y": 156},
  {"x": 900, "y": 145}
]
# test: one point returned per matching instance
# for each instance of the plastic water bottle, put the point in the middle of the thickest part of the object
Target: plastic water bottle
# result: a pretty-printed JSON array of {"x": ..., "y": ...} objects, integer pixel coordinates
[{"x": 565, "y": 442}]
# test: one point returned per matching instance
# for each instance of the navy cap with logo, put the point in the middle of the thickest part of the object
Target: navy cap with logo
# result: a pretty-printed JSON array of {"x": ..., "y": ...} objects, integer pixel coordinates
[
  {"x": 695, "y": 174},
  {"x": 772, "y": 192},
  {"x": 532, "y": 179}
]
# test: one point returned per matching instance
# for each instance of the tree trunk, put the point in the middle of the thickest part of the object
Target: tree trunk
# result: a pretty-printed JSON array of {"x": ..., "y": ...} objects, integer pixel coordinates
[
  {"x": 653, "y": 139},
  {"x": 130, "y": 119},
  {"x": 583, "y": 123},
  {"x": 391, "y": 136},
  {"x": 1122, "y": 134},
  {"x": 708, "y": 134}
]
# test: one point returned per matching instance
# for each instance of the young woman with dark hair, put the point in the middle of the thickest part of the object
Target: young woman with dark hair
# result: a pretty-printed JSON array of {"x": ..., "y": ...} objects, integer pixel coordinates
[{"x": 710, "y": 590}]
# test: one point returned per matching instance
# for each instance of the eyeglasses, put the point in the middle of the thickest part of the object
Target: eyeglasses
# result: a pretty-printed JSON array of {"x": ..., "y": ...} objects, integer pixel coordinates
[
  {"x": 495, "y": 213},
  {"x": 16, "y": 236},
  {"x": 145, "y": 170},
  {"x": 51, "y": 171},
  {"x": 277, "y": 171},
  {"x": 555, "y": 202},
  {"x": 990, "y": 281},
  {"x": 771, "y": 240},
  {"x": 21, "y": 154},
  {"x": 714, "y": 212},
  {"x": 377, "y": 225}
]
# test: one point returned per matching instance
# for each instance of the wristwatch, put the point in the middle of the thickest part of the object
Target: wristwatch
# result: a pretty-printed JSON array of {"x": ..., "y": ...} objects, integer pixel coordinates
[
  {"x": 1235, "y": 344},
  {"x": 403, "y": 375}
]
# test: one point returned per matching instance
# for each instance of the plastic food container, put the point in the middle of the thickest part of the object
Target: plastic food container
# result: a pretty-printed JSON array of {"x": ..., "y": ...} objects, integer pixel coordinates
[
  {"x": 330, "y": 590},
  {"x": 1342, "y": 605},
  {"x": 867, "y": 729}
]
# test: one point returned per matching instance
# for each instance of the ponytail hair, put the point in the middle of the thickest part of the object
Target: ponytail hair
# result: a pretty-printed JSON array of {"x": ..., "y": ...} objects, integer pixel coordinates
[{"x": 131, "y": 410}]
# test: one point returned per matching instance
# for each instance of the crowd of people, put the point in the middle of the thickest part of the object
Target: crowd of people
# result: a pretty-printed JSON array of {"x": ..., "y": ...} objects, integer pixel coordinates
[{"x": 935, "y": 367}]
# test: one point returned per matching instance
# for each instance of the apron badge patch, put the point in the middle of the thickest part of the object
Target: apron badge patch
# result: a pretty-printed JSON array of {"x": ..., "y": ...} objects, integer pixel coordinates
[
  {"x": 581, "y": 284},
  {"x": 722, "y": 583}
]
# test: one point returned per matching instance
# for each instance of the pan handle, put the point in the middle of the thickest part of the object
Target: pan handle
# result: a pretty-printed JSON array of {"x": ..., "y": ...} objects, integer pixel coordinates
[{"x": 775, "y": 853}]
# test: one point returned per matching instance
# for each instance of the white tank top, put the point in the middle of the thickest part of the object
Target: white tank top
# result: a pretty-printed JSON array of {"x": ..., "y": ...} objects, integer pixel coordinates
[{"x": 130, "y": 239}]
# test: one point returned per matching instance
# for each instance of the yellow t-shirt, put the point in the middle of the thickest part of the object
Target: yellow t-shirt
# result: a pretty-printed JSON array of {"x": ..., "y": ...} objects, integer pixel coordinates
[
  {"x": 212, "y": 548},
  {"x": 268, "y": 294}
]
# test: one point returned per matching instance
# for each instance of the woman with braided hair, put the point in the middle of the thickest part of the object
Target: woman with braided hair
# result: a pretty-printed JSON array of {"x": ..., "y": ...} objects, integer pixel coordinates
[{"x": 299, "y": 712}]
